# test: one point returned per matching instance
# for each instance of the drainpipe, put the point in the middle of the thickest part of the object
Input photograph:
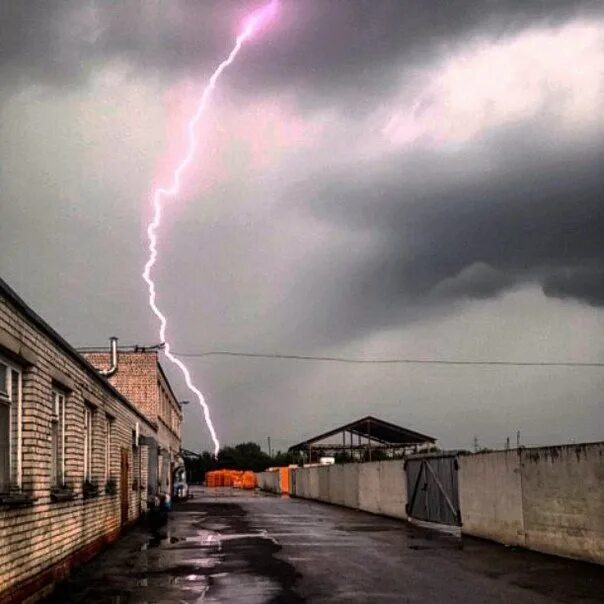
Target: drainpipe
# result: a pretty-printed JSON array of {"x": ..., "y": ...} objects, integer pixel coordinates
[{"x": 113, "y": 368}]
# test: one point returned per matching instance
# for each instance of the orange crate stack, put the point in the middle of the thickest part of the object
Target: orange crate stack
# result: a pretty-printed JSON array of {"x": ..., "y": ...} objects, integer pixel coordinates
[
  {"x": 237, "y": 479},
  {"x": 231, "y": 478},
  {"x": 249, "y": 480}
]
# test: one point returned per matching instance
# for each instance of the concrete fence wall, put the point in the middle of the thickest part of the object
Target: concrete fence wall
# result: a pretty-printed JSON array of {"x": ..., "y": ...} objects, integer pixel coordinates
[
  {"x": 563, "y": 500},
  {"x": 549, "y": 499},
  {"x": 304, "y": 483},
  {"x": 490, "y": 496},
  {"x": 268, "y": 481},
  {"x": 337, "y": 484},
  {"x": 378, "y": 487},
  {"x": 383, "y": 488},
  {"x": 343, "y": 485}
]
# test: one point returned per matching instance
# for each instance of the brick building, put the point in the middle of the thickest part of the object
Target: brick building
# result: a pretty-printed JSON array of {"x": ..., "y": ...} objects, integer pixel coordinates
[
  {"x": 139, "y": 377},
  {"x": 74, "y": 466}
]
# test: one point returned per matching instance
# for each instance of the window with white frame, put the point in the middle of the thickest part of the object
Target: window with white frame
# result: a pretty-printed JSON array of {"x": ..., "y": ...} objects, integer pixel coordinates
[
  {"x": 10, "y": 426},
  {"x": 57, "y": 434},
  {"x": 108, "y": 430},
  {"x": 88, "y": 419}
]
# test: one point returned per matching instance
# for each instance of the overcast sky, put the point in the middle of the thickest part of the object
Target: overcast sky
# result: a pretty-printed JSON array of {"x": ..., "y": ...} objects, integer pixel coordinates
[{"x": 414, "y": 178}]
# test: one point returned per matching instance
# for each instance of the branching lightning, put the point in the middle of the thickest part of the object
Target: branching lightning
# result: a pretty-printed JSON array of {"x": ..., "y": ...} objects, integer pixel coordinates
[{"x": 160, "y": 195}]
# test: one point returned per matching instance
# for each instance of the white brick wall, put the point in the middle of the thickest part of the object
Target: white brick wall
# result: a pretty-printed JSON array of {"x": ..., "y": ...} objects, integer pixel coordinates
[{"x": 33, "y": 539}]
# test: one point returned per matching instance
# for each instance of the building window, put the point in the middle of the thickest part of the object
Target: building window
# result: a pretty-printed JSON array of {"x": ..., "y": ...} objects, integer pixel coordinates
[
  {"x": 88, "y": 418},
  {"x": 10, "y": 427},
  {"x": 57, "y": 432},
  {"x": 108, "y": 430}
]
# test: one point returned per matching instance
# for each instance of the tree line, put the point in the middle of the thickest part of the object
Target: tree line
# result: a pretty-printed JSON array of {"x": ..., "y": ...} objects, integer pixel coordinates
[
  {"x": 244, "y": 456},
  {"x": 249, "y": 456}
]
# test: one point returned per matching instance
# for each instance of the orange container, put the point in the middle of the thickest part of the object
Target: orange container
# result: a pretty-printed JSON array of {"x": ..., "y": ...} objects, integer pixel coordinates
[{"x": 284, "y": 479}]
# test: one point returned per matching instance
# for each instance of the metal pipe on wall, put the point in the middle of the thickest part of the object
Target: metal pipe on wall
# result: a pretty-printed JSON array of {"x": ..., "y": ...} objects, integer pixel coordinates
[{"x": 113, "y": 367}]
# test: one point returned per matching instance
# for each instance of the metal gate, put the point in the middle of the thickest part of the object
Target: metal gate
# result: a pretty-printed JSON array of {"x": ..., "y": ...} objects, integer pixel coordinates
[{"x": 432, "y": 489}]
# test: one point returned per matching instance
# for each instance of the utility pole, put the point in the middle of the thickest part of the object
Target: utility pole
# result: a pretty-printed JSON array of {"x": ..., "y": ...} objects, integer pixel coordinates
[
  {"x": 476, "y": 444},
  {"x": 518, "y": 439},
  {"x": 507, "y": 443},
  {"x": 270, "y": 451}
]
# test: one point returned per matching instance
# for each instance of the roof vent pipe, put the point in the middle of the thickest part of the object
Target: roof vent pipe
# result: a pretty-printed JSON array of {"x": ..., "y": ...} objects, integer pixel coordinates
[{"x": 113, "y": 367}]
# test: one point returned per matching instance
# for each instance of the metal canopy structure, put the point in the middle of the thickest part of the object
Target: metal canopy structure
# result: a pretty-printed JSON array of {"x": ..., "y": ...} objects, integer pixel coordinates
[{"x": 371, "y": 434}]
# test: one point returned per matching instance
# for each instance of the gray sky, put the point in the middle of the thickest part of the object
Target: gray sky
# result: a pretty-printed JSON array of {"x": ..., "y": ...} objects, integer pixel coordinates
[{"x": 375, "y": 179}]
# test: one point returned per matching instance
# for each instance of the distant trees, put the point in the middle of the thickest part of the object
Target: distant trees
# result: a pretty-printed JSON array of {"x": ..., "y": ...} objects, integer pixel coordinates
[
  {"x": 285, "y": 459},
  {"x": 244, "y": 456}
]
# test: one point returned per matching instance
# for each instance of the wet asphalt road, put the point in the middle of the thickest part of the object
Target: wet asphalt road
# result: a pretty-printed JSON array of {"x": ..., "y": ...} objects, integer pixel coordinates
[{"x": 235, "y": 546}]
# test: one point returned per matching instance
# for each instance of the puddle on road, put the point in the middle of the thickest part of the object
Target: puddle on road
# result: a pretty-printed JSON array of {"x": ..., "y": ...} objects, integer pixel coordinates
[
  {"x": 225, "y": 558},
  {"x": 211, "y": 553},
  {"x": 367, "y": 528},
  {"x": 249, "y": 570}
]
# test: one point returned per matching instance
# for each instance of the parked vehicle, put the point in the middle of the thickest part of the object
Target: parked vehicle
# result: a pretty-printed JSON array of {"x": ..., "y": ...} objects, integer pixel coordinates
[{"x": 181, "y": 488}]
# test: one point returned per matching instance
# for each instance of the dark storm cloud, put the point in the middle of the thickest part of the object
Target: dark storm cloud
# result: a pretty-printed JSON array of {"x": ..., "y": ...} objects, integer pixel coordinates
[
  {"x": 380, "y": 257},
  {"x": 540, "y": 214},
  {"x": 585, "y": 284},
  {"x": 319, "y": 47},
  {"x": 478, "y": 280},
  {"x": 30, "y": 43},
  {"x": 538, "y": 218},
  {"x": 62, "y": 42},
  {"x": 354, "y": 52}
]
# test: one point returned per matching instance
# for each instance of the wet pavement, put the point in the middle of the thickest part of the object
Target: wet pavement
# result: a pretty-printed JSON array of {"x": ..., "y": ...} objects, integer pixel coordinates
[{"x": 229, "y": 545}]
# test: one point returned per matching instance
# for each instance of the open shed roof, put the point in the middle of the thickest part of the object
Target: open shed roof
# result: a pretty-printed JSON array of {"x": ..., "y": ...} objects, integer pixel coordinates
[{"x": 375, "y": 429}]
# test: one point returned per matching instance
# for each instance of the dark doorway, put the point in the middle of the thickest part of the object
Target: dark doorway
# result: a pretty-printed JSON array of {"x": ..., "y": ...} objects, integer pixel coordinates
[{"x": 124, "y": 484}]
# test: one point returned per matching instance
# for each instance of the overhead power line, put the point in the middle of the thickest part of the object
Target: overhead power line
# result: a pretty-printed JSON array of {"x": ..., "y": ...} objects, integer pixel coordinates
[{"x": 392, "y": 361}]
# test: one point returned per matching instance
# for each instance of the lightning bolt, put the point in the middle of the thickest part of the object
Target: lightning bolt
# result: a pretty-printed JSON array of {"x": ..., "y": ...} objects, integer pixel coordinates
[{"x": 160, "y": 195}]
